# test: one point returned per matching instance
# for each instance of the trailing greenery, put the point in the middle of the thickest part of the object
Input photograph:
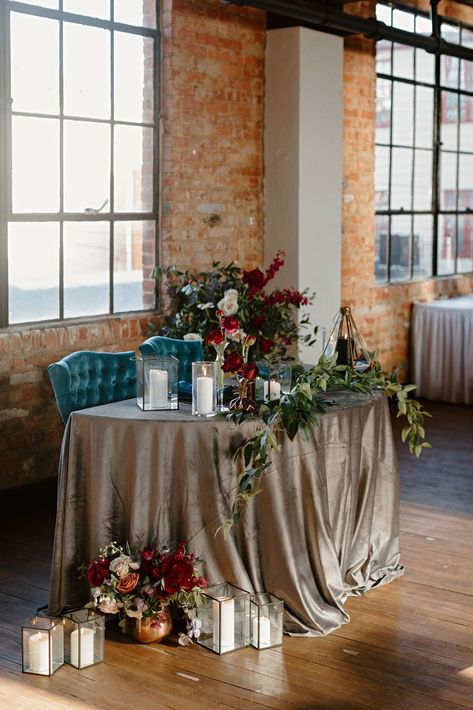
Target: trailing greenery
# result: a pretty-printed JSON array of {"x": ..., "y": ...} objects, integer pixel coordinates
[{"x": 298, "y": 410}]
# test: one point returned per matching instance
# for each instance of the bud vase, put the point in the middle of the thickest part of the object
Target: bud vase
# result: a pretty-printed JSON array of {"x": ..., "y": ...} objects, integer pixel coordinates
[
  {"x": 220, "y": 382},
  {"x": 245, "y": 397},
  {"x": 153, "y": 629}
]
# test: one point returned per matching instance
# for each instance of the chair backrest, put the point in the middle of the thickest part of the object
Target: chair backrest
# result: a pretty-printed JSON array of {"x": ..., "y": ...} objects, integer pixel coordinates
[
  {"x": 186, "y": 351},
  {"x": 86, "y": 379}
]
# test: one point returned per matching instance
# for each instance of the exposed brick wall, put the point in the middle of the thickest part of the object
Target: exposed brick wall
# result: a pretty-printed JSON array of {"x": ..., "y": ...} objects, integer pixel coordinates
[{"x": 382, "y": 312}]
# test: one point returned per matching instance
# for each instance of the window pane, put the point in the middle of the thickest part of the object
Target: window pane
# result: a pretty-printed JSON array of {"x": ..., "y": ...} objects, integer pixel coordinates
[
  {"x": 400, "y": 248},
  {"x": 86, "y": 166},
  {"x": 403, "y": 113},
  {"x": 35, "y": 164},
  {"x": 93, "y": 8},
  {"x": 134, "y": 261},
  {"x": 448, "y": 181},
  {"x": 86, "y": 71},
  {"x": 424, "y": 117},
  {"x": 465, "y": 182},
  {"x": 33, "y": 271},
  {"x": 449, "y": 121},
  {"x": 383, "y": 56},
  {"x": 133, "y": 169},
  {"x": 135, "y": 12},
  {"x": 383, "y": 111},
  {"x": 133, "y": 85},
  {"x": 383, "y": 14},
  {"x": 34, "y": 75},
  {"x": 466, "y": 75},
  {"x": 446, "y": 244},
  {"x": 403, "y": 61},
  {"x": 422, "y": 246},
  {"x": 466, "y": 123},
  {"x": 423, "y": 180},
  {"x": 423, "y": 25},
  {"x": 382, "y": 245},
  {"x": 449, "y": 68},
  {"x": 403, "y": 20},
  {"x": 54, "y": 4},
  {"x": 382, "y": 178},
  {"x": 86, "y": 268},
  {"x": 425, "y": 66},
  {"x": 450, "y": 33},
  {"x": 465, "y": 243},
  {"x": 401, "y": 179}
]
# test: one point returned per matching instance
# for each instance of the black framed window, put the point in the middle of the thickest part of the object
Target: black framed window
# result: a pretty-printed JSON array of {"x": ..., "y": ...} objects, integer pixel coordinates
[
  {"x": 78, "y": 209},
  {"x": 424, "y": 153}
]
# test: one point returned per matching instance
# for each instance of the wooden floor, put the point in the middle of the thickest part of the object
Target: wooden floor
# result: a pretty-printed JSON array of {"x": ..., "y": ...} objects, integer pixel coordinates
[{"x": 408, "y": 646}]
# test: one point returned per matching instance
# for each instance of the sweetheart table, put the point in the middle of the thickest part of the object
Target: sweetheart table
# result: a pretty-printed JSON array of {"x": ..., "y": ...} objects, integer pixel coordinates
[{"x": 324, "y": 527}]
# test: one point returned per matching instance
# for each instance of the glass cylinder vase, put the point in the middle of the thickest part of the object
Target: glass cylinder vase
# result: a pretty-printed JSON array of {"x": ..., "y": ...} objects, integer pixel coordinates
[{"x": 204, "y": 389}]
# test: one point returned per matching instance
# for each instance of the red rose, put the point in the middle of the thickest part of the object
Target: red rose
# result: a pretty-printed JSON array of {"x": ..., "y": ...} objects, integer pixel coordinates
[
  {"x": 128, "y": 583},
  {"x": 232, "y": 363},
  {"x": 266, "y": 345},
  {"x": 148, "y": 554},
  {"x": 248, "y": 371},
  {"x": 215, "y": 337},
  {"x": 97, "y": 572},
  {"x": 230, "y": 324},
  {"x": 255, "y": 279}
]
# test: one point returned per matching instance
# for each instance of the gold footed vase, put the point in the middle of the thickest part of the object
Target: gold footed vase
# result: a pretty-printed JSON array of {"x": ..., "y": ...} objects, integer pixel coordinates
[{"x": 153, "y": 629}]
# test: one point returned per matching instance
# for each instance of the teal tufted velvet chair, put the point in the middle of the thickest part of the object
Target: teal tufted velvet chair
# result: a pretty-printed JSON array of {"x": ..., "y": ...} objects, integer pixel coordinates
[
  {"x": 186, "y": 351},
  {"x": 85, "y": 379}
]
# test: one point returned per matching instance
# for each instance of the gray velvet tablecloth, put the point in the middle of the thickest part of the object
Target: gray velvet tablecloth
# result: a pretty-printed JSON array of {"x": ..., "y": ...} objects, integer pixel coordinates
[
  {"x": 442, "y": 349},
  {"x": 324, "y": 527}
]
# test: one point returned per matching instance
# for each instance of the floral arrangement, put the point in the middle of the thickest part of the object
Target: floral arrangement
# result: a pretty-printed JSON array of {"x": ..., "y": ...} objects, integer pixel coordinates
[
  {"x": 144, "y": 585},
  {"x": 199, "y": 299}
]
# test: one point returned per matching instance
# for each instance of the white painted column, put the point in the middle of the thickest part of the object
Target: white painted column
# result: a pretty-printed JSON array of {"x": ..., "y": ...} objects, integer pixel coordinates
[{"x": 304, "y": 166}]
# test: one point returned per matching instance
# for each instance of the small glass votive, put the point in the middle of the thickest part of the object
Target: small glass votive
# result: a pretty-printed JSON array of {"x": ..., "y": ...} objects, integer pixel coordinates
[
  {"x": 274, "y": 380},
  {"x": 225, "y": 615},
  {"x": 266, "y": 620},
  {"x": 157, "y": 382},
  {"x": 42, "y": 645},
  {"x": 84, "y": 636},
  {"x": 204, "y": 389}
]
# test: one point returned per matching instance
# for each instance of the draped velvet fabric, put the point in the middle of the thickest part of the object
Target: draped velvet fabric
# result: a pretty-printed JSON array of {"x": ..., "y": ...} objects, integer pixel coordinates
[
  {"x": 324, "y": 527},
  {"x": 442, "y": 349}
]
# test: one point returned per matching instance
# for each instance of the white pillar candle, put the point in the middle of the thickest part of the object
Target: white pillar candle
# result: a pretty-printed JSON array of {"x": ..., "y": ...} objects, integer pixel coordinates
[
  {"x": 204, "y": 393},
  {"x": 158, "y": 389},
  {"x": 86, "y": 647},
  {"x": 38, "y": 653},
  {"x": 263, "y": 624},
  {"x": 274, "y": 389},
  {"x": 224, "y": 623}
]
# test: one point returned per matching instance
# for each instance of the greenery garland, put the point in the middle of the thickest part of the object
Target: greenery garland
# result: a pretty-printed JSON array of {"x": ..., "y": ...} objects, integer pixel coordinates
[{"x": 298, "y": 411}]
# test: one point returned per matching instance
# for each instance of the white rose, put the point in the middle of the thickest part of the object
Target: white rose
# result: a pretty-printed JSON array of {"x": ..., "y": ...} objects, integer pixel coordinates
[
  {"x": 231, "y": 294},
  {"x": 107, "y": 605},
  {"x": 192, "y": 336},
  {"x": 228, "y": 305},
  {"x": 120, "y": 566}
]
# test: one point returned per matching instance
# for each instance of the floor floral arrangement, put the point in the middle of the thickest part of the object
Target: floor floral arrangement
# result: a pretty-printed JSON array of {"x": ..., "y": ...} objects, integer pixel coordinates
[{"x": 142, "y": 588}]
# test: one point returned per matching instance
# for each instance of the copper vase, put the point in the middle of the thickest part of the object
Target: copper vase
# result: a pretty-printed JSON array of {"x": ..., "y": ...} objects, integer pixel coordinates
[{"x": 153, "y": 629}]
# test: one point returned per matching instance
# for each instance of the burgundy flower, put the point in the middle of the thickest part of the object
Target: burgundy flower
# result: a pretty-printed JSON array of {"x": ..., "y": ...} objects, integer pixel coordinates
[
  {"x": 248, "y": 371},
  {"x": 232, "y": 363},
  {"x": 215, "y": 337},
  {"x": 266, "y": 346},
  {"x": 257, "y": 322},
  {"x": 230, "y": 324},
  {"x": 255, "y": 279},
  {"x": 275, "y": 265},
  {"x": 128, "y": 583},
  {"x": 97, "y": 572},
  {"x": 148, "y": 554}
]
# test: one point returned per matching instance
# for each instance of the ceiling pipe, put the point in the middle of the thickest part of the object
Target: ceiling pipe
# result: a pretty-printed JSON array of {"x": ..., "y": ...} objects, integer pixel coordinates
[{"x": 330, "y": 19}]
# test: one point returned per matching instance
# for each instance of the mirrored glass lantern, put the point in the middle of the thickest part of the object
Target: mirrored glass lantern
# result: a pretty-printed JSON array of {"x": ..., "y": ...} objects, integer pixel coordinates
[
  {"x": 225, "y": 617},
  {"x": 266, "y": 620},
  {"x": 204, "y": 389},
  {"x": 42, "y": 645},
  {"x": 345, "y": 339},
  {"x": 84, "y": 636},
  {"x": 273, "y": 380},
  {"x": 157, "y": 382}
]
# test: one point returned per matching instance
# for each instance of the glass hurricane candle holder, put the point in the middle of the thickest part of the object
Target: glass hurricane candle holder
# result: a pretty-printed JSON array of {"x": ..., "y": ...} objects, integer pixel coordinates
[
  {"x": 157, "y": 382},
  {"x": 225, "y": 615},
  {"x": 84, "y": 636},
  {"x": 345, "y": 339},
  {"x": 42, "y": 645},
  {"x": 204, "y": 389},
  {"x": 266, "y": 620},
  {"x": 274, "y": 380}
]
